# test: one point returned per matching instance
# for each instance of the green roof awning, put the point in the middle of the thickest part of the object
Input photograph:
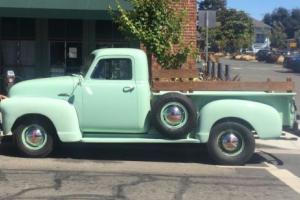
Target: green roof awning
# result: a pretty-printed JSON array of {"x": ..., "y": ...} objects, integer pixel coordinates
[{"x": 65, "y": 9}]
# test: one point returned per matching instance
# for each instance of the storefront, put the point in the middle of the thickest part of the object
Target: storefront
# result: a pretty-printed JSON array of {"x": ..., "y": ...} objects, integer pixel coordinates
[{"x": 49, "y": 38}]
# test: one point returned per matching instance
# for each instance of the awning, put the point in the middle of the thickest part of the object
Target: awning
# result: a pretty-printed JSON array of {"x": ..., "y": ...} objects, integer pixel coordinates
[{"x": 65, "y": 9}]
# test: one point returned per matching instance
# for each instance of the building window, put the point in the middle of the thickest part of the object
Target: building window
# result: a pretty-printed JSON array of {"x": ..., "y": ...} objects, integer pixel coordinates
[
  {"x": 108, "y": 35},
  {"x": 65, "y": 38},
  {"x": 57, "y": 52},
  {"x": 260, "y": 38},
  {"x": 18, "y": 29},
  {"x": 18, "y": 42},
  {"x": 60, "y": 29}
]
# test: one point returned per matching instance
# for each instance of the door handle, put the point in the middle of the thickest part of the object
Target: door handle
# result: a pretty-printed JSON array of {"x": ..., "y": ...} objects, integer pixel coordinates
[
  {"x": 128, "y": 89},
  {"x": 63, "y": 95}
]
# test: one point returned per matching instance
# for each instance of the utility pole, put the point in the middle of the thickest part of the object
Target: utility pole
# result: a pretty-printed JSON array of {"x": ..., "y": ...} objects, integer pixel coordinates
[
  {"x": 207, "y": 19},
  {"x": 207, "y": 45}
]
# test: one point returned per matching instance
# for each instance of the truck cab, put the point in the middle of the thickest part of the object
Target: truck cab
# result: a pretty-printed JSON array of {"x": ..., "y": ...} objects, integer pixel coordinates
[{"x": 114, "y": 94}]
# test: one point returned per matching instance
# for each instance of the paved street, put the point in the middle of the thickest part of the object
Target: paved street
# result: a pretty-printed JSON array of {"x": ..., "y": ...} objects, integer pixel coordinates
[
  {"x": 140, "y": 172},
  {"x": 158, "y": 172}
]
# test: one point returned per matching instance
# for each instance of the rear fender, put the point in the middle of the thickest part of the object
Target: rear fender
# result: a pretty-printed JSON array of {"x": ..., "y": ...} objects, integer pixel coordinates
[
  {"x": 264, "y": 119},
  {"x": 61, "y": 113}
]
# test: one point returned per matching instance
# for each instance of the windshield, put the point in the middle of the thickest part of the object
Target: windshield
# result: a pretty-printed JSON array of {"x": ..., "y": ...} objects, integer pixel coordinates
[{"x": 87, "y": 64}]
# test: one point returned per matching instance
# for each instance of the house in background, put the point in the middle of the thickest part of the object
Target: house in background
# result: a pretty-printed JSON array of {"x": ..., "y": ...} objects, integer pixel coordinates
[
  {"x": 262, "y": 34},
  {"x": 55, "y": 37}
]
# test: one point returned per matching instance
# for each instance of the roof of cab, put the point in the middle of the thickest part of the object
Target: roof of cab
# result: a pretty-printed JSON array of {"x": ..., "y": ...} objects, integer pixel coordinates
[{"x": 118, "y": 51}]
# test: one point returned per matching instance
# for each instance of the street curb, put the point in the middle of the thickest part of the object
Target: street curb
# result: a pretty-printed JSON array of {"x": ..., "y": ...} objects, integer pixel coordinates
[{"x": 287, "y": 141}]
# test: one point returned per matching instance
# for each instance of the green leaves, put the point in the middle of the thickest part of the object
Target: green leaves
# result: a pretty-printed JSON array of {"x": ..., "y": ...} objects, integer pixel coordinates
[
  {"x": 285, "y": 24},
  {"x": 235, "y": 31},
  {"x": 278, "y": 36},
  {"x": 159, "y": 26}
]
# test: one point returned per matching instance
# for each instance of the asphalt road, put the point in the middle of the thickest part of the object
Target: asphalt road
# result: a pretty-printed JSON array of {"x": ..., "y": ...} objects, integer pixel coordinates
[
  {"x": 175, "y": 172},
  {"x": 158, "y": 172}
]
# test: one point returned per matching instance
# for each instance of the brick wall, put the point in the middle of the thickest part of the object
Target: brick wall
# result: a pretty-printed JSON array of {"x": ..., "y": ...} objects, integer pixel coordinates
[{"x": 190, "y": 32}]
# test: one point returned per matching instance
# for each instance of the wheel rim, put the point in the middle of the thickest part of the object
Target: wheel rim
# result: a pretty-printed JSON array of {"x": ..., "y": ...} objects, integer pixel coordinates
[
  {"x": 231, "y": 142},
  {"x": 34, "y": 137},
  {"x": 174, "y": 115}
]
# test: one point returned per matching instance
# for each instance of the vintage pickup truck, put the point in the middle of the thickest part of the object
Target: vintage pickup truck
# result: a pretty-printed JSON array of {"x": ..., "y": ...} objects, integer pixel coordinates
[{"x": 112, "y": 102}]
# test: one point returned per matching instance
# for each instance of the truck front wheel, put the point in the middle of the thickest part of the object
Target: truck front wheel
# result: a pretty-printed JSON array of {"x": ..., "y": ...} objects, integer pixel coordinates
[
  {"x": 34, "y": 138},
  {"x": 231, "y": 143}
]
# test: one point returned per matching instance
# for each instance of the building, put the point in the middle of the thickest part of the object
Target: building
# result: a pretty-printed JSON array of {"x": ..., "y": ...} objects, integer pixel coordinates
[
  {"x": 262, "y": 34},
  {"x": 40, "y": 38},
  {"x": 43, "y": 38}
]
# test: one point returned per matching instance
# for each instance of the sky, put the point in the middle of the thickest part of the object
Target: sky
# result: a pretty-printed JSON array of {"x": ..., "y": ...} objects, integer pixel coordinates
[{"x": 257, "y": 8}]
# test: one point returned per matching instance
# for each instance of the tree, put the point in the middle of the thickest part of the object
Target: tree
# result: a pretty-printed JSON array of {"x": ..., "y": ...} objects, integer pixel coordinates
[
  {"x": 295, "y": 16},
  {"x": 268, "y": 19},
  {"x": 213, "y": 4},
  {"x": 289, "y": 20},
  {"x": 297, "y": 37},
  {"x": 234, "y": 32},
  {"x": 159, "y": 26},
  {"x": 278, "y": 37}
]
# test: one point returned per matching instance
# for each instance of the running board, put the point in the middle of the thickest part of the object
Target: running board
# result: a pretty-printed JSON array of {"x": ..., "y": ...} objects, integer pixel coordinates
[{"x": 137, "y": 140}]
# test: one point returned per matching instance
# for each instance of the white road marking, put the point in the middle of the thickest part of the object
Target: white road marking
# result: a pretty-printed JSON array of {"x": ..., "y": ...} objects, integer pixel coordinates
[
  {"x": 279, "y": 151},
  {"x": 241, "y": 167},
  {"x": 285, "y": 176}
]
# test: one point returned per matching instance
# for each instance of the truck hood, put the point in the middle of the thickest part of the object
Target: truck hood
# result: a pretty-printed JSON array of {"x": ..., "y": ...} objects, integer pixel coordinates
[{"x": 46, "y": 87}]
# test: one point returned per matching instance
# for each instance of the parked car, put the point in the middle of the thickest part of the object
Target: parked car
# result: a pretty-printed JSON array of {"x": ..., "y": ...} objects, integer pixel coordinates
[
  {"x": 286, "y": 52},
  {"x": 248, "y": 51},
  {"x": 262, "y": 55},
  {"x": 273, "y": 56},
  {"x": 112, "y": 102},
  {"x": 292, "y": 62}
]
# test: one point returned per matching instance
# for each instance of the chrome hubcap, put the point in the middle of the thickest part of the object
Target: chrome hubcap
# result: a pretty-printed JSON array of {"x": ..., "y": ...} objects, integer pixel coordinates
[
  {"x": 174, "y": 115},
  {"x": 35, "y": 136},
  {"x": 230, "y": 142}
]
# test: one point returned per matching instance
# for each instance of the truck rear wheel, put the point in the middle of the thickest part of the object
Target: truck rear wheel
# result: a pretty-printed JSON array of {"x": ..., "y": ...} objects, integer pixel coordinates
[
  {"x": 231, "y": 143},
  {"x": 34, "y": 138},
  {"x": 174, "y": 115}
]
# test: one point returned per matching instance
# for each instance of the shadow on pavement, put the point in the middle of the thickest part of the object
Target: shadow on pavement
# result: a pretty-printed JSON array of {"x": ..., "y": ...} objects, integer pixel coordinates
[
  {"x": 177, "y": 153},
  {"x": 287, "y": 72},
  {"x": 271, "y": 159},
  {"x": 294, "y": 132}
]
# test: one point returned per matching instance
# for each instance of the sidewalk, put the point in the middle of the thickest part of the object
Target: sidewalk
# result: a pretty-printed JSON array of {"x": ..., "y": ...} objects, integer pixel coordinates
[{"x": 288, "y": 141}]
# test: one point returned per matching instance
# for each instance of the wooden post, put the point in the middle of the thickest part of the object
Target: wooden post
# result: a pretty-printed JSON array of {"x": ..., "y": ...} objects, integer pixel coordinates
[
  {"x": 213, "y": 70},
  {"x": 227, "y": 72},
  {"x": 209, "y": 66},
  {"x": 220, "y": 71}
]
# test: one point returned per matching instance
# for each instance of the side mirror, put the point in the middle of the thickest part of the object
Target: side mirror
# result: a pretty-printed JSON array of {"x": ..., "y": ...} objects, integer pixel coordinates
[{"x": 80, "y": 79}]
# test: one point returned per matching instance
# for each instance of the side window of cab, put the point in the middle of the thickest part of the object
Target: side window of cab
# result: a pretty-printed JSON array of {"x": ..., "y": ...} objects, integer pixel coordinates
[{"x": 113, "y": 69}]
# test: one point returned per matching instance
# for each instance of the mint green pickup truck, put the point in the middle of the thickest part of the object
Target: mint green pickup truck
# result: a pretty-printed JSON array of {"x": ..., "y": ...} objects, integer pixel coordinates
[{"x": 112, "y": 102}]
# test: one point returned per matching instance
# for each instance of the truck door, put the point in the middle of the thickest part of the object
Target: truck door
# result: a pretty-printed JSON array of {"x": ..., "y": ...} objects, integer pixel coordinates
[{"x": 110, "y": 97}]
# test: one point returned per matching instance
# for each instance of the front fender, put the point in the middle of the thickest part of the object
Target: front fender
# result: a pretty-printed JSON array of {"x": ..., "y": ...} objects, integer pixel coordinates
[
  {"x": 62, "y": 114},
  {"x": 263, "y": 118}
]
